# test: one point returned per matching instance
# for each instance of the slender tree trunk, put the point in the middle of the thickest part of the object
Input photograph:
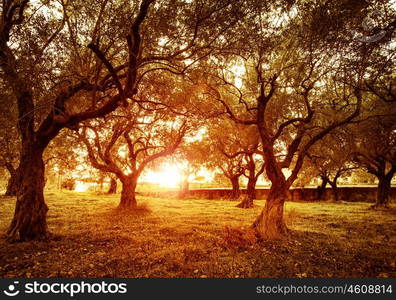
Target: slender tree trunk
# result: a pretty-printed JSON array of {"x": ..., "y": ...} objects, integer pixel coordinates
[
  {"x": 13, "y": 182},
  {"x": 128, "y": 193},
  {"x": 184, "y": 186},
  {"x": 101, "y": 181},
  {"x": 334, "y": 189},
  {"x": 270, "y": 223},
  {"x": 113, "y": 186},
  {"x": 236, "y": 192},
  {"x": 321, "y": 189},
  {"x": 383, "y": 191},
  {"x": 29, "y": 221},
  {"x": 247, "y": 201}
]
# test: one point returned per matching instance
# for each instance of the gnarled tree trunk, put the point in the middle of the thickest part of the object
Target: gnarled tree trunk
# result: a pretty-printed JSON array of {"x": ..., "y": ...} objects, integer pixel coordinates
[
  {"x": 247, "y": 200},
  {"x": 113, "y": 186},
  {"x": 184, "y": 186},
  {"x": 270, "y": 223},
  {"x": 235, "y": 192},
  {"x": 322, "y": 188},
  {"x": 251, "y": 187},
  {"x": 383, "y": 191},
  {"x": 29, "y": 221},
  {"x": 11, "y": 186},
  {"x": 13, "y": 182},
  {"x": 128, "y": 193},
  {"x": 334, "y": 189}
]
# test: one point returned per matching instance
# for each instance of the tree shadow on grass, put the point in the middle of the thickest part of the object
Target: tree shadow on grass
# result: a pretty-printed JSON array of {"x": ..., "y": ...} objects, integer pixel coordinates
[{"x": 116, "y": 213}]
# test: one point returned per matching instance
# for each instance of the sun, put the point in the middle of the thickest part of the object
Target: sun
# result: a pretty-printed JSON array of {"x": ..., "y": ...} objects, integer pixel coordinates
[{"x": 167, "y": 176}]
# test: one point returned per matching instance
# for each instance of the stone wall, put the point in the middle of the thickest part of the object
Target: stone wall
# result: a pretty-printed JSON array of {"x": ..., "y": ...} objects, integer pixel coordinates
[{"x": 353, "y": 194}]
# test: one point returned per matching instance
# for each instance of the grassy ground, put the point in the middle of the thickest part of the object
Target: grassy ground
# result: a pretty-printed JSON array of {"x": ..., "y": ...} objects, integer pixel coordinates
[{"x": 200, "y": 238}]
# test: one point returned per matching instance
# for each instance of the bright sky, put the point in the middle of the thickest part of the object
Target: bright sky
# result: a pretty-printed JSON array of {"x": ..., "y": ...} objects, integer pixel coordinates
[{"x": 167, "y": 176}]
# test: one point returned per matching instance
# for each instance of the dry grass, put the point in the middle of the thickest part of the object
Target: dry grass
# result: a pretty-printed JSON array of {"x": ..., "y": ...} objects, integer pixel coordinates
[{"x": 200, "y": 238}]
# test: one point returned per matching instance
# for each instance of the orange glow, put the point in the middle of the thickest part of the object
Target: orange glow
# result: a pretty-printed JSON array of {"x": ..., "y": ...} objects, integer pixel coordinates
[
  {"x": 238, "y": 71},
  {"x": 203, "y": 172},
  {"x": 167, "y": 176},
  {"x": 81, "y": 187}
]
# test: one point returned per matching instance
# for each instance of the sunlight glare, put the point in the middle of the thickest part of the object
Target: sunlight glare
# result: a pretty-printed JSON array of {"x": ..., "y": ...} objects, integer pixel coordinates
[
  {"x": 167, "y": 176},
  {"x": 80, "y": 187},
  {"x": 238, "y": 70}
]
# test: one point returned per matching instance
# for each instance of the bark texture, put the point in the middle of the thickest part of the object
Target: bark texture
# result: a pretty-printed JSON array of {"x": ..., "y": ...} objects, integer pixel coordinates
[
  {"x": 13, "y": 182},
  {"x": 247, "y": 200},
  {"x": 235, "y": 192},
  {"x": 270, "y": 223},
  {"x": 383, "y": 191},
  {"x": 322, "y": 188},
  {"x": 128, "y": 193},
  {"x": 113, "y": 186},
  {"x": 334, "y": 189},
  {"x": 29, "y": 221}
]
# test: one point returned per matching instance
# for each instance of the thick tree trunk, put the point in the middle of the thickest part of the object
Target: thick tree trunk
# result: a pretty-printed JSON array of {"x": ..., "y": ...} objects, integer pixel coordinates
[
  {"x": 247, "y": 201},
  {"x": 128, "y": 193},
  {"x": 13, "y": 182},
  {"x": 184, "y": 187},
  {"x": 113, "y": 186},
  {"x": 321, "y": 189},
  {"x": 29, "y": 221},
  {"x": 334, "y": 189},
  {"x": 236, "y": 192},
  {"x": 383, "y": 191},
  {"x": 251, "y": 188},
  {"x": 101, "y": 181},
  {"x": 270, "y": 223}
]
